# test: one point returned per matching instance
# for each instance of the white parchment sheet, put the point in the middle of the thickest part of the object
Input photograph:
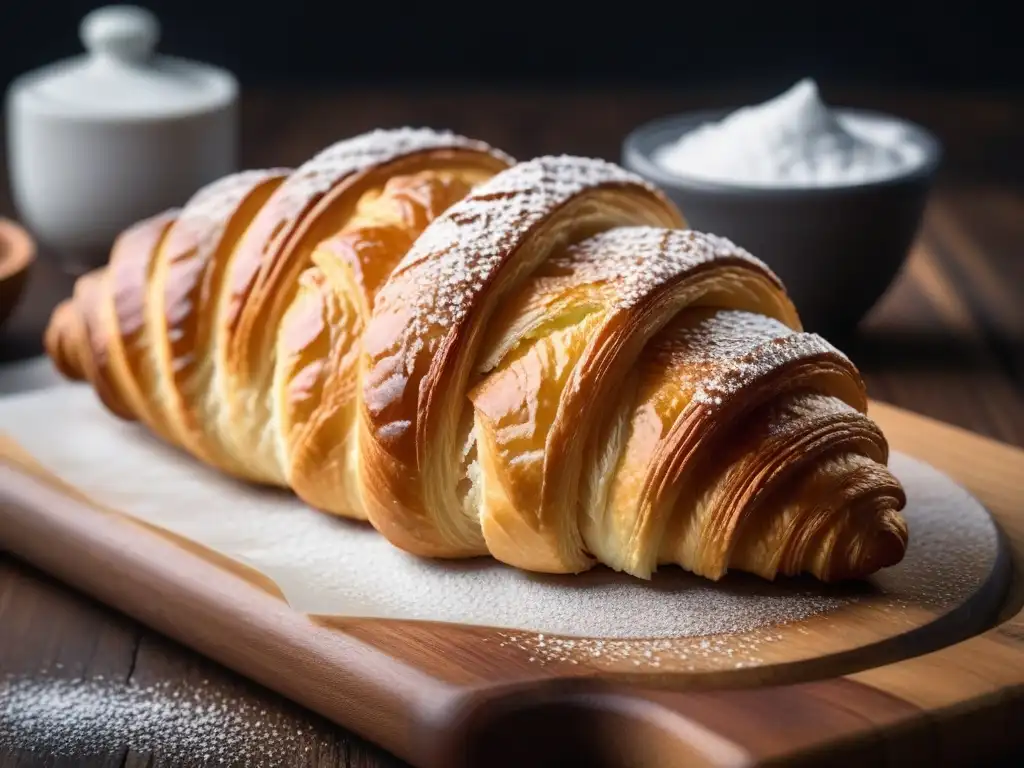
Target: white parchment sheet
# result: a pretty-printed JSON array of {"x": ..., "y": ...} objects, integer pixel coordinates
[{"x": 324, "y": 565}]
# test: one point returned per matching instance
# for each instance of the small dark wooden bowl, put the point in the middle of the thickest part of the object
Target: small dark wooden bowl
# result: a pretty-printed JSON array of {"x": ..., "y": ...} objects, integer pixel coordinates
[
  {"x": 17, "y": 253},
  {"x": 837, "y": 249}
]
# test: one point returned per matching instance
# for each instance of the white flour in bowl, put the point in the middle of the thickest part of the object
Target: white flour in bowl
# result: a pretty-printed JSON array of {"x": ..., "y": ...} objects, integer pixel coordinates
[{"x": 792, "y": 140}]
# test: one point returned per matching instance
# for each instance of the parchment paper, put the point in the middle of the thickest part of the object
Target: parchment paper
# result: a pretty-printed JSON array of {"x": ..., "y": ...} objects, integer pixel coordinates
[{"x": 324, "y": 565}]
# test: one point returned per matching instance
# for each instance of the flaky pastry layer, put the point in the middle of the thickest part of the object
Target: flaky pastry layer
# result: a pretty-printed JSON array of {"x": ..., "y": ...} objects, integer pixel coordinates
[{"x": 535, "y": 361}]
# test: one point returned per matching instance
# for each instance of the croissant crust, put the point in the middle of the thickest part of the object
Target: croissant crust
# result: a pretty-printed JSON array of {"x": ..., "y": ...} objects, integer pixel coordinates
[{"x": 535, "y": 361}]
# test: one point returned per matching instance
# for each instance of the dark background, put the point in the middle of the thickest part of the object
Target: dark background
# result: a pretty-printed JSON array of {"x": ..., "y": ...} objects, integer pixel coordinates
[{"x": 927, "y": 45}]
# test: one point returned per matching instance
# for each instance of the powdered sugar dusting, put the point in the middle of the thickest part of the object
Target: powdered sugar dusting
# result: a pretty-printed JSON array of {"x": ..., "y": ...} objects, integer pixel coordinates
[
  {"x": 438, "y": 281},
  {"x": 460, "y": 251},
  {"x": 193, "y": 724},
  {"x": 282, "y": 213},
  {"x": 201, "y": 223},
  {"x": 680, "y": 654},
  {"x": 328, "y": 566},
  {"x": 317, "y": 175},
  {"x": 723, "y": 353},
  {"x": 638, "y": 260}
]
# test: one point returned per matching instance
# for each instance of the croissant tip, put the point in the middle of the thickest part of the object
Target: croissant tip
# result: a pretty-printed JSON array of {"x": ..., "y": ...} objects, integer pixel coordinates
[{"x": 885, "y": 549}]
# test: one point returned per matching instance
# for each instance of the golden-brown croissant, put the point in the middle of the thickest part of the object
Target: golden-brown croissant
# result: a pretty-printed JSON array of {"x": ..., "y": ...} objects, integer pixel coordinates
[{"x": 534, "y": 361}]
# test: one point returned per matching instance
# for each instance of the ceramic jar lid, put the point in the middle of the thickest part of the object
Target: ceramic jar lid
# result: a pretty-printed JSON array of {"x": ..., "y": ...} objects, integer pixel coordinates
[{"x": 121, "y": 77}]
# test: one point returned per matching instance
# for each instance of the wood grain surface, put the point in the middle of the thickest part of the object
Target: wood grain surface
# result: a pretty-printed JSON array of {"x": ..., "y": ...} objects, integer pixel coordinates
[{"x": 947, "y": 342}]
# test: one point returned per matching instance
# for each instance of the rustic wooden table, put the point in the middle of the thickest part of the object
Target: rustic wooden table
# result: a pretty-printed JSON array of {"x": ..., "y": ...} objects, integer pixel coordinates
[{"x": 946, "y": 341}]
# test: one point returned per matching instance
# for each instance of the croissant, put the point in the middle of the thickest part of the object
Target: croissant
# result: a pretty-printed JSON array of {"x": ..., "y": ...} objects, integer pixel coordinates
[{"x": 534, "y": 360}]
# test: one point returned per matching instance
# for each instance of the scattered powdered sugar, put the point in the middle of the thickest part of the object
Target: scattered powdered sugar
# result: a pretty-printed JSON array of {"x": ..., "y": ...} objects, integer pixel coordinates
[
  {"x": 203, "y": 219},
  {"x": 329, "y": 566},
  {"x": 458, "y": 253},
  {"x": 638, "y": 260},
  {"x": 449, "y": 266},
  {"x": 179, "y": 724},
  {"x": 676, "y": 654},
  {"x": 283, "y": 211},
  {"x": 724, "y": 353},
  {"x": 317, "y": 175}
]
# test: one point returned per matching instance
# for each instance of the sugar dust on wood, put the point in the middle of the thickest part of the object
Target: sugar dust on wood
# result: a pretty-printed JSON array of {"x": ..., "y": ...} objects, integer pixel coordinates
[
  {"x": 679, "y": 654},
  {"x": 179, "y": 724}
]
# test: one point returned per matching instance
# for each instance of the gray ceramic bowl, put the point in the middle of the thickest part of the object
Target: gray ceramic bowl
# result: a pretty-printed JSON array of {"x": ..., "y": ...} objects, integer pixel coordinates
[{"x": 837, "y": 249}]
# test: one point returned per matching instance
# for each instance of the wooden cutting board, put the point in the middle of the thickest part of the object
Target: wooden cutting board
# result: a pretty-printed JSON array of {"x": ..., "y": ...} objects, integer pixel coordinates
[{"x": 444, "y": 695}]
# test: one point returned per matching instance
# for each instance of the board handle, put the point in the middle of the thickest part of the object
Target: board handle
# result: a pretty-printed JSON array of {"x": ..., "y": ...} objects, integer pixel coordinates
[
  {"x": 834, "y": 722},
  {"x": 590, "y": 723}
]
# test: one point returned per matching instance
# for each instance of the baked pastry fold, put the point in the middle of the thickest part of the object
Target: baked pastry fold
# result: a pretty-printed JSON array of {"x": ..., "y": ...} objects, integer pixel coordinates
[{"x": 535, "y": 361}]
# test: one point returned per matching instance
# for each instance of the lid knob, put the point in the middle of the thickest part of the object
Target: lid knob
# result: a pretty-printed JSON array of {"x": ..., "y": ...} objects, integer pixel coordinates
[{"x": 127, "y": 33}]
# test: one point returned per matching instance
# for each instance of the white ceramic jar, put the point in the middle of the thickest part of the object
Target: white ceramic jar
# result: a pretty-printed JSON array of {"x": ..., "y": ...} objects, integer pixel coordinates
[{"x": 100, "y": 141}]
